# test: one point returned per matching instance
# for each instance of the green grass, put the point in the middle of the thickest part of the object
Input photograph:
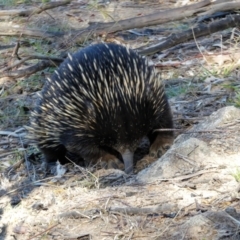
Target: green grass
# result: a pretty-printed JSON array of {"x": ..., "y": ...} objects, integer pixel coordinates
[
  {"x": 181, "y": 89},
  {"x": 16, "y": 156},
  {"x": 13, "y": 157},
  {"x": 13, "y": 115},
  {"x": 14, "y": 109},
  {"x": 216, "y": 71},
  {"x": 236, "y": 175},
  {"x": 94, "y": 5},
  {"x": 7, "y": 40},
  {"x": 237, "y": 99}
]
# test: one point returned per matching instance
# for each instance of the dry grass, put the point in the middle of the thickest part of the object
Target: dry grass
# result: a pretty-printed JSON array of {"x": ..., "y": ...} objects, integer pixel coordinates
[{"x": 82, "y": 203}]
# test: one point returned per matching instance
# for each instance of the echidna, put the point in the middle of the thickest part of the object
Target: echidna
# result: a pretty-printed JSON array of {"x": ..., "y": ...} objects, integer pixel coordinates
[{"x": 99, "y": 104}]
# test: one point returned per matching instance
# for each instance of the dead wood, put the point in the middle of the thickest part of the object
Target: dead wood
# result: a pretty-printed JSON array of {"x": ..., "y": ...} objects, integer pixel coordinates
[
  {"x": 198, "y": 31},
  {"x": 74, "y": 214},
  {"x": 14, "y": 167},
  {"x": 42, "y": 233},
  {"x": 96, "y": 29},
  {"x": 222, "y": 1},
  {"x": 7, "y": 46},
  {"x": 34, "y": 10},
  {"x": 104, "y": 28},
  {"x": 136, "y": 210},
  {"x": 188, "y": 176},
  {"x": 24, "y": 32},
  {"x": 15, "y": 51},
  {"x": 226, "y": 6},
  {"x": 160, "y": 209},
  {"x": 30, "y": 70},
  {"x": 12, "y": 134},
  {"x": 29, "y": 57}
]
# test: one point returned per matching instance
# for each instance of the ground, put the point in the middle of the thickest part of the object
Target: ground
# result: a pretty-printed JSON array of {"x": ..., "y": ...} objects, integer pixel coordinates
[{"x": 108, "y": 204}]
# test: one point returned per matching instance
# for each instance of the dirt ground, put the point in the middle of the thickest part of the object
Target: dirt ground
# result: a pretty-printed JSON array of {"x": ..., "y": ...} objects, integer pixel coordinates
[{"x": 103, "y": 204}]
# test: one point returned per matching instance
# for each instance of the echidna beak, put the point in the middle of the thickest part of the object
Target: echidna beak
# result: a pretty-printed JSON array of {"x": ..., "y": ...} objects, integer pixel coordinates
[{"x": 128, "y": 161}]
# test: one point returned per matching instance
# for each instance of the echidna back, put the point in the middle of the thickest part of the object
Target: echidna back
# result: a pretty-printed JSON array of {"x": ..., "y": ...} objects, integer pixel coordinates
[{"x": 102, "y": 97}]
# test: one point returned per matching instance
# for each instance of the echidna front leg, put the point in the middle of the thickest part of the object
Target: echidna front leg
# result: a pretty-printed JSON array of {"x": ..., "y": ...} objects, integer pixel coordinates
[
  {"x": 114, "y": 158},
  {"x": 55, "y": 154},
  {"x": 109, "y": 161},
  {"x": 161, "y": 144}
]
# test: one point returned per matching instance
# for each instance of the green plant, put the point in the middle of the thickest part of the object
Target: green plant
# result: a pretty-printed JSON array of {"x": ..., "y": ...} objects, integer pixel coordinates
[
  {"x": 236, "y": 175},
  {"x": 96, "y": 6},
  {"x": 180, "y": 89},
  {"x": 237, "y": 99}
]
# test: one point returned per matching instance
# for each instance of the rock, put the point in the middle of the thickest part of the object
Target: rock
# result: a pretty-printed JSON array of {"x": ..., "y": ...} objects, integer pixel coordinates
[{"x": 214, "y": 143}]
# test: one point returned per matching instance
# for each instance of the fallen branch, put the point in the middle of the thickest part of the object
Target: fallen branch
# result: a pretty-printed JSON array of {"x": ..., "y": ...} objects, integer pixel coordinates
[
  {"x": 30, "y": 57},
  {"x": 74, "y": 215},
  {"x": 34, "y": 10},
  {"x": 23, "y": 32},
  {"x": 221, "y": 7},
  {"x": 198, "y": 31},
  {"x": 30, "y": 70},
  {"x": 12, "y": 134},
  {"x": 138, "y": 210},
  {"x": 96, "y": 29}
]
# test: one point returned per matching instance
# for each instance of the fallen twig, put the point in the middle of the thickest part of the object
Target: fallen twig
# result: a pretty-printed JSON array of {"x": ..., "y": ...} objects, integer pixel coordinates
[
  {"x": 24, "y": 32},
  {"x": 73, "y": 214},
  {"x": 30, "y": 70},
  {"x": 136, "y": 210},
  {"x": 188, "y": 176},
  {"x": 34, "y": 10},
  {"x": 30, "y": 57},
  {"x": 33, "y": 237},
  {"x": 12, "y": 134}
]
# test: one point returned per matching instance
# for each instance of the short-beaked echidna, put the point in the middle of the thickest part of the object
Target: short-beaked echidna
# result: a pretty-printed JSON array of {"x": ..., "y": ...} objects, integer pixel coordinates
[{"x": 101, "y": 102}]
